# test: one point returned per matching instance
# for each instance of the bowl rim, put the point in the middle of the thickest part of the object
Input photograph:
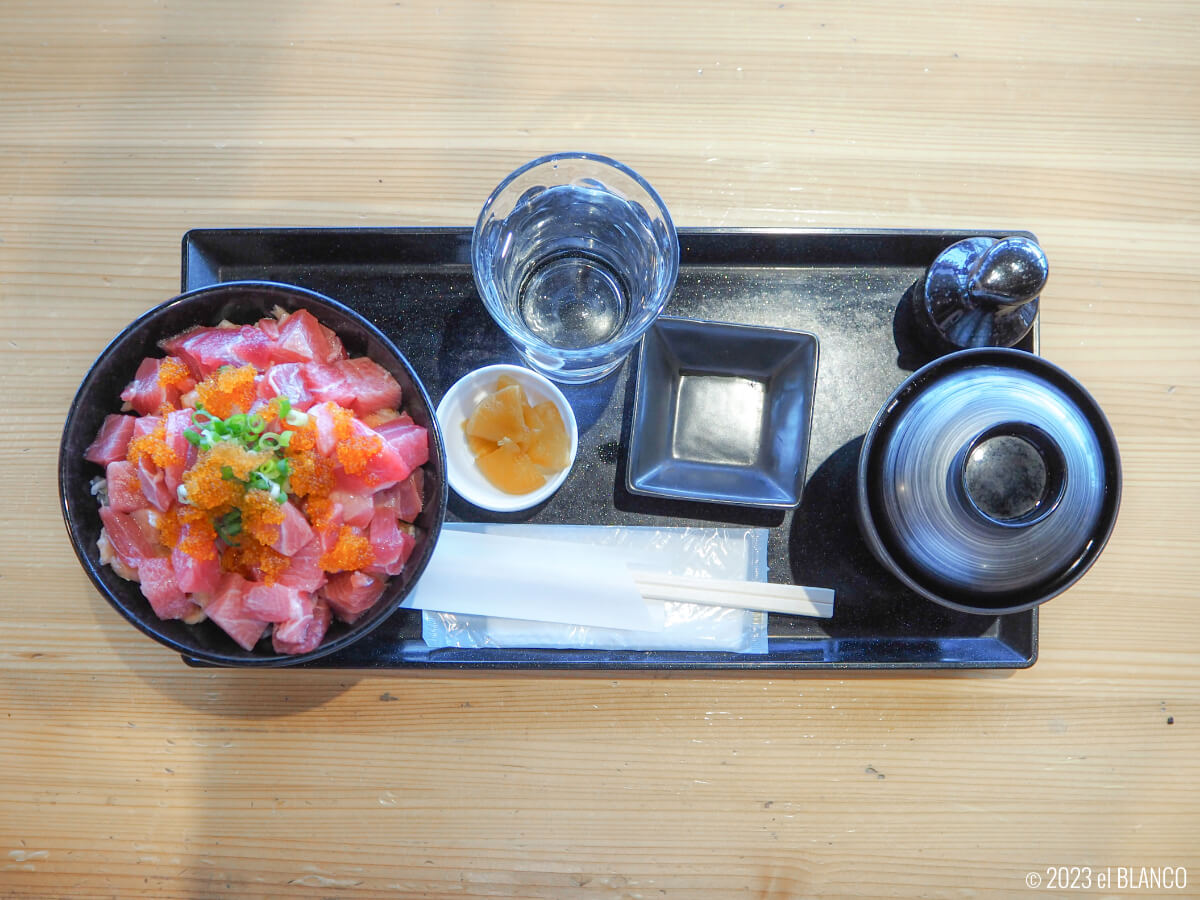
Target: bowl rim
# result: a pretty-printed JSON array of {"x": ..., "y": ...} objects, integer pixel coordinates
[
  {"x": 518, "y": 502},
  {"x": 272, "y": 660},
  {"x": 1006, "y": 357}
]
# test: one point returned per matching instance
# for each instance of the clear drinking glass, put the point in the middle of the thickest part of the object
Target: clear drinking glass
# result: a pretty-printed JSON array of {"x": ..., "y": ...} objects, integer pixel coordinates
[{"x": 574, "y": 255}]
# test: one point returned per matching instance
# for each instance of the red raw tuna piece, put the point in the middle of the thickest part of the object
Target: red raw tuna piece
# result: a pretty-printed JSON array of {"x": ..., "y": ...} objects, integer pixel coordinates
[
  {"x": 162, "y": 590},
  {"x": 112, "y": 441},
  {"x": 361, "y": 385},
  {"x": 322, "y": 418},
  {"x": 151, "y": 478},
  {"x": 410, "y": 441},
  {"x": 153, "y": 482},
  {"x": 145, "y": 395},
  {"x": 276, "y": 602},
  {"x": 396, "y": 460},
  {"x": 382, "y": 470},
  {"x": 357, "y": 508},
  {"x": 405, "y": 498},
  {"x": 286, "y": 380},
  {"x": 392, "y": 546},
  {"x": 269, "y": 326},
  {"x": 196, "y": 576},
  {"x": 205, "y": 350},
  {"x": 302, "y": 634},
  {"x": 124, "y": 487},
  {"x": 294, "y": 532},
  {"x": 178, "y": 421},
  {"x": 228, "y": 609},
  {"x": 303, "y": 339},
  {"x": 304, "y": 571},
  {"x": 127, "y": 538},
  {"x": 350, "y": 594}
]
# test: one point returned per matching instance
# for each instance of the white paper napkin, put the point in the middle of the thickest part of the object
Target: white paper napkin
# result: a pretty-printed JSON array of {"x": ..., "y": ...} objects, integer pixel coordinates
[{"x": 540, "y": 580}]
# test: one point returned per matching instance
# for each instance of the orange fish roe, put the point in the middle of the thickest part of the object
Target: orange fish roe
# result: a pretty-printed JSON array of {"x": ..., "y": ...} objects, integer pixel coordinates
[
  {"x": 173, "y": 373},
  {"x": 261, "y": 516},
  {"x": 227, "y": 391},
  {"x": 188, "y": 529},
  {"x": 311, "y": 474},
  {"x": 356, "y": 453},
  {"x": 154, "y": 447},
  {"x": 304, "y": 438},
  {"x": 352, "y": 551},
  {"x": 253, "y": 559},
  {"x": 208, "y": 489},
  {"x": 319, "y": 511}
]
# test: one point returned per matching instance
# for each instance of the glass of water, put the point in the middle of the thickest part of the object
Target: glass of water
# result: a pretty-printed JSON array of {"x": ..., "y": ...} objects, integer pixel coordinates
[{"x": 574, "y": 255}]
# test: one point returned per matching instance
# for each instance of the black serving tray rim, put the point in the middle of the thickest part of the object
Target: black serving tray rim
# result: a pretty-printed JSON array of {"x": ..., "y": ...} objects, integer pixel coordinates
[{"x": 785, "y": 658}]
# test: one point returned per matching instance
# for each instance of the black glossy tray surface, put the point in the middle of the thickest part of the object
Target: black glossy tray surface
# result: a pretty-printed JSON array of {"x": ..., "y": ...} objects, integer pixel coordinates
[{"x": 844, "y": 286}]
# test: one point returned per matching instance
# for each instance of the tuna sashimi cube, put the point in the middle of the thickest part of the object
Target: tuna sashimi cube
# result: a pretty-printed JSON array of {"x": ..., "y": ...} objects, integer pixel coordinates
[
  {"x": 276, "y": 602},
  {"x": 323, "y": 421},
  {"x": 153, "y": 483},
  {"x": 303, "y": 339},
  {"x": 124, "y": 488},
  {"x": 177, "y": 422},
  {"x": 127, "y": 538},
  {"x": 350, "y": 594},
  {"x": 228, "y": 609},
  {"x": 359, "y": 384},
  {"x": 411, "y": 442},
  {"x": 303, "y": 634},
  {"x": 268, "y": 326},
  {"x": 112, "y": 441},
  {"x": 405, "y": 498},
  {"x": 287, "y": 380},
  {"x": 304, "y": 570},
  {"x": 294, "y": 532},
  {"x": 205, "y": 350},
  {"x": 162, "y": 590},
  {"x": 357, "y": 507},
  {"x": 196, "y": 575},
  {"x": 145, "y": 394},
  {"x": 108, "y": 557},
  {"x": 391, "y": 544}
]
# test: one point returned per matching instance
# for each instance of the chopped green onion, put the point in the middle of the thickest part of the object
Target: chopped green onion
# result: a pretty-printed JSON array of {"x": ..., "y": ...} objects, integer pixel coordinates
[
  {"x": 227, "y": 473},
  {"x": 296, "y": 419},
  {"x": 229, "y": 526}
]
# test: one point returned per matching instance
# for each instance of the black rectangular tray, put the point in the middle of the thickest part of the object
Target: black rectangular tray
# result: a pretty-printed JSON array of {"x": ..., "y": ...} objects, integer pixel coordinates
[{"x": 844, "y": 286}]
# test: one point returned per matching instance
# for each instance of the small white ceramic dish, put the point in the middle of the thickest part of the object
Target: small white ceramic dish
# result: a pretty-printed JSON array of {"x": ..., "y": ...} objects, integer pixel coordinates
[{"x": 456, "y": 407}]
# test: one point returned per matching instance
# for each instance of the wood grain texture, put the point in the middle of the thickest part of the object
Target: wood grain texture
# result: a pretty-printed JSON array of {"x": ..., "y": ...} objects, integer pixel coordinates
[{"x": 123, "y": 124}]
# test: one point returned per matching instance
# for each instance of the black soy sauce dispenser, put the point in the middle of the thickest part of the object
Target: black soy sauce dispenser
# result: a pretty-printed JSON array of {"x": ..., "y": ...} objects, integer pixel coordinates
[{"x": 980, "y": 292}]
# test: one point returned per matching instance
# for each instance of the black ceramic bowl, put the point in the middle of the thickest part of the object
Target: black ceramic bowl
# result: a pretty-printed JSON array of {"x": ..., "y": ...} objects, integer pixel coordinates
[{"x": 243, "y": 302}]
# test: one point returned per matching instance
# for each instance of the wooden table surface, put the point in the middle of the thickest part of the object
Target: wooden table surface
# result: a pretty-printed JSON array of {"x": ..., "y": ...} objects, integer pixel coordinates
[{"x": 123, "y": 773}]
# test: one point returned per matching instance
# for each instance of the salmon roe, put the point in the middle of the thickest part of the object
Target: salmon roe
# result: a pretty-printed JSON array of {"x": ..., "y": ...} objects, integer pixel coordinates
[
  {"x": 352, "y": 551},
  {"x": 227, "y": 391}
]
